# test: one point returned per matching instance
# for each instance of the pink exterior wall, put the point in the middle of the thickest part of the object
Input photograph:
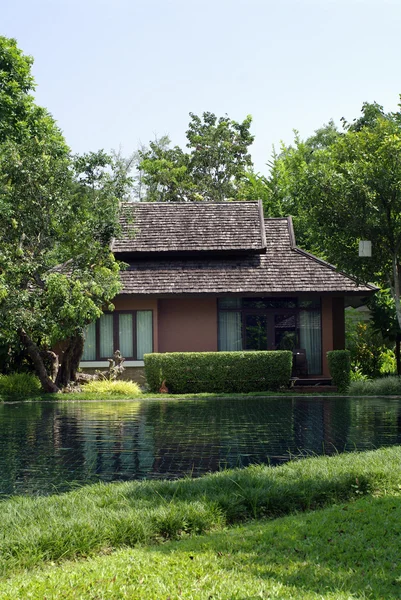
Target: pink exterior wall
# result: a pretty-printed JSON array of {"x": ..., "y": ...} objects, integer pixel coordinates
[
  {"x": 187, "y": 325},
  {"x": 338, "y": 323},
  {"x": 333, "y": 327},
  {"x": 190, "y": 324}
]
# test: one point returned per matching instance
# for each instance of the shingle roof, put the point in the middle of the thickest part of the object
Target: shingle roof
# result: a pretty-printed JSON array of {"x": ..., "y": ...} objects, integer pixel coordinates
[
  {"x": 283, "y": 269},
  {"x": 149, "y": 227}
]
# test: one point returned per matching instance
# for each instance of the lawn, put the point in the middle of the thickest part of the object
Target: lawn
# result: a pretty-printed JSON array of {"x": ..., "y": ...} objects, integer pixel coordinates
[
  {"x": 347, "y": 551},
  {"x": 110, "y": 531}
]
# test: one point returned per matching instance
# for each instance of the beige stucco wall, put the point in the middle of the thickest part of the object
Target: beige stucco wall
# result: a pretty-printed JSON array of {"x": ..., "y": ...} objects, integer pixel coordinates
[{"x": 187, "y": 325}]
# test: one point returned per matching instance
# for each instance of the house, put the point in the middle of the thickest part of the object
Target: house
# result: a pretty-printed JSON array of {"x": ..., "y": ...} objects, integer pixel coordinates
[{"x": 218, "y": 276}]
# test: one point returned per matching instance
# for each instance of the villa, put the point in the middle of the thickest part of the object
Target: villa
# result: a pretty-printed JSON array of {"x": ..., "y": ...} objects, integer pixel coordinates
[{"x": 219, "y": 276}]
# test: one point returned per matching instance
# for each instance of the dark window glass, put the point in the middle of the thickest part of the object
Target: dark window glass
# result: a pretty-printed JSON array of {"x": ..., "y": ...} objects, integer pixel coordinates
[
  {"x": 263, "y": 303},
  {"x": 285, "y": 331},
  {"x": 229, "y": 302},
  {"x": 309, "y": 302},
  {"x": 256, "y": 332}
]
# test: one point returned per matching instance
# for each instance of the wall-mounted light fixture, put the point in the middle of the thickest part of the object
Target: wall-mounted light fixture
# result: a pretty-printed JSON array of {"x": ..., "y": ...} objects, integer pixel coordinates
[{"x": 365, "y": 248}]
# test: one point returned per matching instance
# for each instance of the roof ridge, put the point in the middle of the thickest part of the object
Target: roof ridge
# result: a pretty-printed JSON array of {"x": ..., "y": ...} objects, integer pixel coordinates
[{"x": 190, "y": 203}]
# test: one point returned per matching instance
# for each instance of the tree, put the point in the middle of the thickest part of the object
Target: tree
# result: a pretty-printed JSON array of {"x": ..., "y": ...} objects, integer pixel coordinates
[
  {"x": 282, "y": 190},
  {"x": 58, "y": 215},
  {"x": 212, "y": 169},
  {"x": 385, "y": 322},
  {"x": 349, "y": 191}
]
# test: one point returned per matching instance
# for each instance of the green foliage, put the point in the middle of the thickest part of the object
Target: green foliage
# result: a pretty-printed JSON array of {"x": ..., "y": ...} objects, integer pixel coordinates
[
  {"x": 13, "y": 360},
  {"x": 35, "y": 531},
  {"x": 349, "y": 190},
  {"x": 340, "y": 367},
  {"x": 214, "y": 372},
  {"x": 284, "y": 191},
  {"x": 255, "y": 186},
  {"x": 368, "y": 350},
  {"x": 357, "y": 374},
  {"x": 388, "y": 363},
  {"x": 18, "y": 113},
  {"x": 113, "y": 388},
  {"x": 212, "y": 169},
  {"x": 58, "y": 214},
  {"x": 385, "y": 386},
  {"x": 21, "y": 384},
  {"x": 384, "y": 315}
]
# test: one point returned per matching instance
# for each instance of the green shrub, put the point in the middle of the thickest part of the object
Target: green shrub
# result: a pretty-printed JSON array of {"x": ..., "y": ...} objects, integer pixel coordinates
[
  {"x": 217, "y": 372},
  {"x": 388, "y": 363},
  {"x": 357, "y": 374},
  {"x": 361, "y": 388},
  {"x": 340, "y": 368},
  {"x": 23, "y": 384},
  {"x": 367, "y": 347},
  {"x": 117, "y": 388},
  {"x": 385, "y": 386}
]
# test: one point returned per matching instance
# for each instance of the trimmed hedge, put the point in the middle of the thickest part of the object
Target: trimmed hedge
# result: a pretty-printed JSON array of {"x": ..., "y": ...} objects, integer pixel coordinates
[
  {"x": 218, "y": 372},
  {"x": 340, "y": 368}
]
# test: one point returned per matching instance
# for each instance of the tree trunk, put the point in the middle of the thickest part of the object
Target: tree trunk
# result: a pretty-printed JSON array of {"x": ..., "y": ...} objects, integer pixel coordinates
[
  {"x": 50, "y": 360},
  {"x": 395, "y": 288},
  {"x": 398, "y": 354},
  {"x": 33, "y": 352},
  {"x": 67, "y": 372}
]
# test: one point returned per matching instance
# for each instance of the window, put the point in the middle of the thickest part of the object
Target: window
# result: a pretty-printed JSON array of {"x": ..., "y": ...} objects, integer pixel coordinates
[
  {"x": 131, "y": 332},
  {"x": 272, "y": 324}
]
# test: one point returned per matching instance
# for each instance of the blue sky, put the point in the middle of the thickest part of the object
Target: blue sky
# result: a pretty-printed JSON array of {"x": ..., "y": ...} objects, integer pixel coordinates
[{"x": 118, "y": 73}]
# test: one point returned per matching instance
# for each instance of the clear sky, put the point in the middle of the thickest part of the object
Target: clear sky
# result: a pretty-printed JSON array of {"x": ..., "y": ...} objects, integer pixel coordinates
[{"x": 117, "y": 73}]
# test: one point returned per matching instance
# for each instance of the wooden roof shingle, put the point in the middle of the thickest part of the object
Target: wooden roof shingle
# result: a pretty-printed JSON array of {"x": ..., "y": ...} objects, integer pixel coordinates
[
  {"x": 182, "y": 227},
  {"x": 283, "y": 269}
]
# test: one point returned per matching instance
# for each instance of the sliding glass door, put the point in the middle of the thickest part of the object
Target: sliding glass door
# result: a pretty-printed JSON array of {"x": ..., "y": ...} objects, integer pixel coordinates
[
  {"x": 273, "y": 324},
  {"x": 255, "y": 332}
]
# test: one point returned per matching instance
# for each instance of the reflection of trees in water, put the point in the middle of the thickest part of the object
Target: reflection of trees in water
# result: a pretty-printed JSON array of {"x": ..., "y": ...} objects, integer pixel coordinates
[
  {"x": 117, "y": 447},
  {"x": 44, "y": 446},
  {"x": 321, "y": 425},
  {"x": 199, "y": 436},
  {"x": 374, "y": 422},
  {"x": 32, "y": 448}
]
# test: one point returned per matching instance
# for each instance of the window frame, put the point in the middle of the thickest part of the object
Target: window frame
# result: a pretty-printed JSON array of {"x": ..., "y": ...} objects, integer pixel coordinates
[
  {"x": 270, "y": 312},
  {"x": 116, "y": 335}
]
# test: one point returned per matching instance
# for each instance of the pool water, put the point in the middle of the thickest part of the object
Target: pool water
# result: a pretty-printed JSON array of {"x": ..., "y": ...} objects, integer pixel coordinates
[{"x": 48, "y": 447}]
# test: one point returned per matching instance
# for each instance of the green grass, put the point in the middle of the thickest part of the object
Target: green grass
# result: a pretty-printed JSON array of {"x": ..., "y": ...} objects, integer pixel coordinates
[
  {"x": 348, "y": 551},
  {"x": 34, "y": 531},
  {"x": 21, "y": 384},
  {"x": 147, "y": 395},
  {"x": 385, "y": 386},
  {"x": 118, "y": 388},
  {"x": 85, "y": 395}
]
